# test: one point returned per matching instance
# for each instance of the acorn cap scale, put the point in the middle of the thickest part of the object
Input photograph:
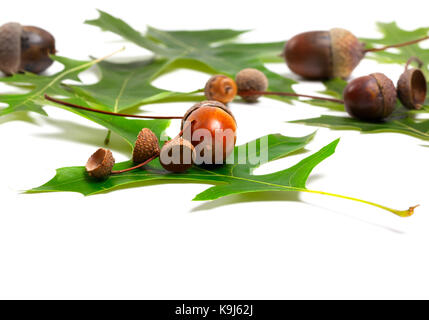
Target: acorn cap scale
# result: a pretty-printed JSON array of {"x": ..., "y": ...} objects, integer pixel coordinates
[
  {"x": 100, "y": 164},
  {"x": 347, "y": 52},
  {"x": 177, "y": 155},
  {"x": 412, "y": 89},
  {"x": 10, "y": 47},
  {"x": 146, "y": 146},
  {"x": 250, "y": 79}
]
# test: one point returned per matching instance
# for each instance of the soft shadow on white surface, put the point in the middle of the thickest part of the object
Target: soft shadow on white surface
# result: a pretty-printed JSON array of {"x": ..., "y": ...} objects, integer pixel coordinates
[
  {"x": 387, "y": 228},
  {"x": 18, "y": 116},
  {"x": 249, "y": 197},
  {"x": 279, "y": 196},
  {"x": 71, "y": 131}
]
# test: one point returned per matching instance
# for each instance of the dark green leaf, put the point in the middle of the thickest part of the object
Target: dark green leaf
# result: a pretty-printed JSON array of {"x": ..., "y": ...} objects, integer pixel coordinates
[{"x": 206, "y": 47}]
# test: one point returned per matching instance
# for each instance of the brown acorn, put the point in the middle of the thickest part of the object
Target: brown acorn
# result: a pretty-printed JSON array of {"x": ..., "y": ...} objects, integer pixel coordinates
[
  {"x": 215, "y": 119},
  {"x": 250, "y": 79},
  {"x": 100, "y": 164},
  {"x": 146, "y": 146},
  {"x": 324, "y": 54},
  {"x": 370, "y": 98},
  {"x": 177, "y": 155},
  {"x": 220, "y": 88},
  {"x": 25, "y": 48},
  {"x": 412, "y": 86}
]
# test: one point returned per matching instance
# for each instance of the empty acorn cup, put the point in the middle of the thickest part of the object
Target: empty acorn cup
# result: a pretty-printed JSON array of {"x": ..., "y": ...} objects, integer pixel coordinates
[
  {"x": 412, "y": 86},
  {"x": 100, "y": 164}
]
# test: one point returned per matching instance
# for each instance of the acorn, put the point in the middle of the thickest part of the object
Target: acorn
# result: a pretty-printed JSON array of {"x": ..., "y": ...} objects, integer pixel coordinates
[
  {"x": 324, "y": 54},
  {"x": 177, "y": 155},
  {"x": 412, "y": 86},
  {"x": 220, "y": 88},
  {"x": 217, "y": 121},
  {"x": 251, "y": 80},
  {"x": 100, "y": 164},
  {"x": 25, "y": 48},
  {"x": 146, "y": 146},
  {"x": 370, "y": 98}
]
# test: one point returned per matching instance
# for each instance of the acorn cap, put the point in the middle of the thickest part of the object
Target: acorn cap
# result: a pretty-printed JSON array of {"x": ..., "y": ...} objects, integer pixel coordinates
[
  {"x": 100, "y": 164},
  {"x": 146, "y": 146},
  {"x": 10, "y": 48},
  {"x": 251, "y": 80},
  {"x": 388, "y": 91},
  {"x": 207, "y": 103},
  {"x": 412, "y": 89},
  {"x": 220, "y": 88},
  {"x": 177, "y": 155},
  {"x": 347, "y": 52}
]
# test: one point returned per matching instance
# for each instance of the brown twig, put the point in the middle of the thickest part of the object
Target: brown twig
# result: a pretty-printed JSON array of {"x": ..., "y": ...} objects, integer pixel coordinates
[{"x": 72, "y": 105}]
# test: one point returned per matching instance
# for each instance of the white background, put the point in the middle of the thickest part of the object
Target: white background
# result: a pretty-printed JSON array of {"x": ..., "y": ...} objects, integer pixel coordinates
[{"x": 153, "y": 241}]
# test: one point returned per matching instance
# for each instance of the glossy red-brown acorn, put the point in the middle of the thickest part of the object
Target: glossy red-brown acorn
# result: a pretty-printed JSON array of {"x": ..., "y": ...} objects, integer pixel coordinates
[
  {"x": 370, "y": 98},
  {"x": 216, "y": 120},
  {"x": 323, "y": 54}
]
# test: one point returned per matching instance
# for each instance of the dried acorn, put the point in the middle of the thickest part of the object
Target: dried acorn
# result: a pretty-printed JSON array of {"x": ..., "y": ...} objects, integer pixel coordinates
[
  {"x": 177, "y": 155},
  {"x": 146, "y": 146},
  {"x": 100, "y": 164},
  {"x": 25, "y": 48},
  {"x": 220, "y": 88},
  {"x": 250, "y": 79},
  {"x": 370, "y": 98},
  {"x": 412, "y": 86}
]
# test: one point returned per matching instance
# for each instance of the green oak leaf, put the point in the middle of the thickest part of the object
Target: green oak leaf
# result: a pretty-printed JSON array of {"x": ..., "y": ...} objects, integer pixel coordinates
[
  {"x": 208, "y": 48},
  {"x": 128, "y": 129},
  {"x": 229, "y": 179},
  {"x": 408, "y": 126},
  {"x": 38, "y": 85},
  {"x": 128, "y": 85},
  {"x": 392, "y": 34}
]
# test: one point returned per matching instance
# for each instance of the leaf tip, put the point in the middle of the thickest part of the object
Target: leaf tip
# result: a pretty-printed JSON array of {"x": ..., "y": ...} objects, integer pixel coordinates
[{"x": 411, "y": 210}]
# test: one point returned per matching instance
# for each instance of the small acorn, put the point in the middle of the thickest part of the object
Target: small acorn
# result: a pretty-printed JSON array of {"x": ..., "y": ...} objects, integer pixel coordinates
[
  {"x": 100, "y": 164},
  {"x": 412, "y": 86},
  {"x": 220, "y": 88},
  {"x": 251, "y": 80},
  {"x": 324, "y": 54},
  {"x": 177, "y": 155},
  {"x": 370, "y": 98},
  {"x": 25, "y": 48},
  {"x": 146, "y": 146}
]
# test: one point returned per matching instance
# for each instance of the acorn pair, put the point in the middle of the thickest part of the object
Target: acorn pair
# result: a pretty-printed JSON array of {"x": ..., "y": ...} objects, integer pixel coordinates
[
  {"x": 224, "y": 89},
  {"x": 373, "y": 97},
  {"x": 146, "y": 148},
  {"x": 25, "y": 48}
]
